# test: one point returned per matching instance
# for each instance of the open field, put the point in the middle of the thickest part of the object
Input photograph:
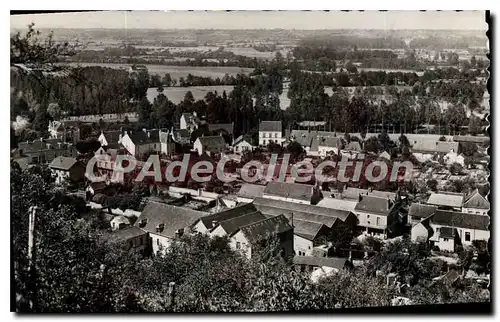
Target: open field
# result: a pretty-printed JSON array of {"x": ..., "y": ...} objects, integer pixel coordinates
[
  {"x": 176, "y": 94},
  {"x": 178, "y": 71}
]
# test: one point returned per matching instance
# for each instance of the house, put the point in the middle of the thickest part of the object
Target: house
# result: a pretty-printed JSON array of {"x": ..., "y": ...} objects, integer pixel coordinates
[
  {"x": 182, "y": 137},
  {"x": 231, "y": 225},
  {"x": 242, "y": 144},
  {"x": 252, "y": 237},
  {"x": 353, "y": 193},
  {"x": 422, "y": 231},
  {"x": 270, "y": 131},
  {"x": 165, "y": 222},
  {"x": 293, "y": 192},
  {"x": 307, "y": 235},
  {"x": 248, "y": 192},
  {"x": 224, "y": 128},
  {"x": 205, "y": 224},
  {"x": 327, "y": 145},
  {"x": 419, "y": 211},
  {"x": 308, "y": 218},
  {"x": 119, "y": 222},
  {"x": 451, "y": 228},
  {"x": 189, "y": 121},
  {"x": 210, "y": 145},
  {"x": 109, "y": 137},
  {"x": 453, "y": 157},
  {"x": 446, "y": 200},
  {"x": 475, "y": 203},
  {"x": 424, "y": 150},
  {"x": 66, "y": 168},
  {"x": 43, "y": 151},
  {"x": 167, "y": 144},
  {"x": 141, "y": 142},
  {"x": 130, "y": 237},
  {"x": 94, "y": 188},
  {"x": 379, "y": 216}
]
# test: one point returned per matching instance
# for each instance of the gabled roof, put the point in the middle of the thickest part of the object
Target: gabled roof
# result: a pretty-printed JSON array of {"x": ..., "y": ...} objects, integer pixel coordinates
[
  {"x": 333, "y": 262},
  {"x": 145, "y": 137},
  {"x": 227, "y": 214},
  {"x": 476, "y": 200},
  {"x": 172, "y": 217},
  {"x": 460, "y": 220},
  {"x": 249, "y": 190},
  {"x": 265, "y": 228},
  {"x": 122, "y": 235},
  {"x": 317, "y": 214},
  {"x": 233, "y": 224},
  {"x": 227, "y": 127},
  {"x": 63, "y": 163},
  {"x": 420, "y": 210},
  {"x": 339, "y": 204},
  {"x": 243, "y": 138},
  {"x": 375, "y": 205},
  {"x": 270, "y": 126},
  {"x": 289, "y": 190},
  {"x": 448, "y": 199},
  {"x": 182, "y": 133},
  {"x": 190, "y": 118},
  {"x": 306, "y": 229},
  {"x": 212, "y": 142},
  {"x": 353, "y": 193},
  {"x": 112, "y": 136}
]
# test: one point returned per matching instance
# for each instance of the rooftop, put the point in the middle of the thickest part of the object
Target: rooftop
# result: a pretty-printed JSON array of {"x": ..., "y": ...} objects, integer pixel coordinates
[
  {"x": 63, "y": 163},
  {"x": 251, "y": 191},
  {"x": 290, "y": 190},
  {"x": 270, "y": 126},
  {"x": 447, "y": 200}
]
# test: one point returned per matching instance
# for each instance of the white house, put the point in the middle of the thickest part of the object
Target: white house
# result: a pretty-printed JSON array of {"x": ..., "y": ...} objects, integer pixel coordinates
[
  {"x": 109, "y": 137},
  {"x": 270, "y": 131},
  {"x": 376, "y": 215},
  {"x": 424, "y": 150},
  {"x": 119, "y": 222},
  {"x": 189, "y": 121},
  {"x": 306, "y": 234},
  {"x": 66, "y": 168},
  {"x": 475, "y": 203},
  {"x": 247, "y": 239},
  {"x": 165, "y": 222},
  {"x": 448, "y": 229},
  {"x": 210, "y": 145},
  {"x": 241, "y": 145},
  {"x": 140, "y": 142}
]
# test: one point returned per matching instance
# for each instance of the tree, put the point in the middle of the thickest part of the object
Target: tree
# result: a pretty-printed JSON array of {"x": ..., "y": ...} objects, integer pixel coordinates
[{"x": 432, "y": 184}]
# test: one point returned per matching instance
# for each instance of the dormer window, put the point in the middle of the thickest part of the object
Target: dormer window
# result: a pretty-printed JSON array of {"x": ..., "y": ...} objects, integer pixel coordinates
[
  {"x": 160, "y": 227},
  {"x": 143, "y": 222}
]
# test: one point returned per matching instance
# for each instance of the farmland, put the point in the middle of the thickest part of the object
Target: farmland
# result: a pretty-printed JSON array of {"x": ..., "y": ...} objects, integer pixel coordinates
[
  {"x": 176, "y": 94},
  {"x": 178, "y": 71}
]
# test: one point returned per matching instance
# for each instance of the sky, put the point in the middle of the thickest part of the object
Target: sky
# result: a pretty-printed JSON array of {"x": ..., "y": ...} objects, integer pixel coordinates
[{"x": 471, "y": 20}]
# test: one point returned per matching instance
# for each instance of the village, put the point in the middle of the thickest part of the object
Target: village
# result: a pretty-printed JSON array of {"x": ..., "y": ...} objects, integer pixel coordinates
[{"x": 242, "y": 170}]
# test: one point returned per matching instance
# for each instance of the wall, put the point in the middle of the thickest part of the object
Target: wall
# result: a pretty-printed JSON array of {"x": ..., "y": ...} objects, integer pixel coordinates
[
  {"x": 302, "y": 246},
  {"x": 200, "y": 228},
  {"x": 370, "y": 220},
  {"x": 475, "y": 211},
  {"x": 245, "y": 249},
  {"x": 128, "y": 144},
  {"x": 242, "y": 147},
  {"x": 265, "y": 137},
  {"x": 198, "y": 147},
  {"x": 158, "y": 242},
  {"x": 218, "y": 231},
  {"x": 419, "y": 232}
]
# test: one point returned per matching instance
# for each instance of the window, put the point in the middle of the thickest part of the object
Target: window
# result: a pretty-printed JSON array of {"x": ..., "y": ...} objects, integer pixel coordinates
[
  {"x": 275, "y": 135},
  {"x": 367, "y": 216},
  {"x": 445, "y": 239},
  {"x": 378, "y": 221},
  {"x": 467, "y": 236},
  {"x": 158, "y": 241},
  {"x": 238, "y": 245},
  {"x": 309, "y": 247}
]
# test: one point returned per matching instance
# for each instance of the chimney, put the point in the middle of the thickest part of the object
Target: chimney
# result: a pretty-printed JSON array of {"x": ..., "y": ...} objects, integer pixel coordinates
[
  {"x": 149, "y": 134},
  {"x": 214, "y": 223},
  {"x": 195, "y": 114},
  {"x": 179, "y": 232},
  {"x": 160, "y": 227},
  {"x": 143, "y": 222},
  {"x": 144, "y": 130}
]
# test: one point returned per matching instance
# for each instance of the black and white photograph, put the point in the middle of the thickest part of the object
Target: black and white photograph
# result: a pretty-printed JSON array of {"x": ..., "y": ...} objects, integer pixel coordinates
[{"x": 250, "y": 161}]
